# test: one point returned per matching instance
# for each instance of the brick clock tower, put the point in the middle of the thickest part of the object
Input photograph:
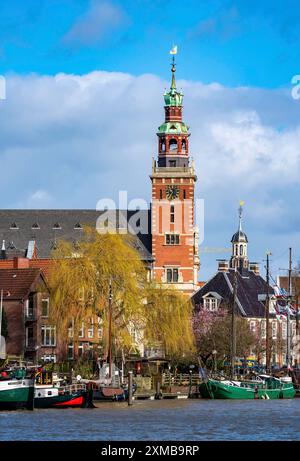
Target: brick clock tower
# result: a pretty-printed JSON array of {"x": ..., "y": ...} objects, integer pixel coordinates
[{"x": 174, "y": 235}]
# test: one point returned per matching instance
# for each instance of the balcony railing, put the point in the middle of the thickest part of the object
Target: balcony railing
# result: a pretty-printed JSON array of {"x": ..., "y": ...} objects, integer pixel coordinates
[{"x": 173, "y": 169}]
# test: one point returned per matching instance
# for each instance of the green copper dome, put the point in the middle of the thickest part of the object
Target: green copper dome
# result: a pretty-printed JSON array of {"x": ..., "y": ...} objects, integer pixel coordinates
[
  {"x": 173, "y": 127},
  {"x": 173, "y": 98}
]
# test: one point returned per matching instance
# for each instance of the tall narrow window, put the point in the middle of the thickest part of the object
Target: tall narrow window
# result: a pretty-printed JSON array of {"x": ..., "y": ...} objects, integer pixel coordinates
[
  {"x": 29, "y": 337},
  {"x": 45, "y": 307},
  {"x": 175, "y": 275},
  {"x": 172, "y": 214},
  {"x": 48, "y": 335},
  {"x": 81, "y": 331},
  {"x": 80, "y": 349},
  {"x": 70, "y": 350},
  {"x": 172, "y": 275},
  {"x": 184, "y": 194},
  {"x": 160, "y": 194},
  {"x": 284, "y": 330},
  {"x": 91, "y": 329}
]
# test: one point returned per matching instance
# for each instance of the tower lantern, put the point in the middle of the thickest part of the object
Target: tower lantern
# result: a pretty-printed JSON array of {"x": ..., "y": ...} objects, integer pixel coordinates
[
  {"x": 173, "y": 134},
  {"x": 239, "y": 258}
]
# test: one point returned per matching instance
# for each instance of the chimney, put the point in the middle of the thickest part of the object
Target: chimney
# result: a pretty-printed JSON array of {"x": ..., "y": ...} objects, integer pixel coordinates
[
  {"x": 254, "y": 267},
  {"x": 223, "y": 265},
  {"x": 21, "y": 263}
]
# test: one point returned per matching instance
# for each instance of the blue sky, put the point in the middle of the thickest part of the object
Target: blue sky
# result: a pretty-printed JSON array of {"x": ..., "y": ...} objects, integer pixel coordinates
[
  {"x": 232, "y": 42},
  {"x": 85, "y": 80}
]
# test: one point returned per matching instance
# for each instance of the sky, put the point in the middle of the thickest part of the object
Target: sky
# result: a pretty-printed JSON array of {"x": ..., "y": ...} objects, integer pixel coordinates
[{"x": 84, "y": 86}]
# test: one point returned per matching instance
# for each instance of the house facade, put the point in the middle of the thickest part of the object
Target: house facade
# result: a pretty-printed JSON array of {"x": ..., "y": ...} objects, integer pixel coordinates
[{"x": 252, "y": 291}]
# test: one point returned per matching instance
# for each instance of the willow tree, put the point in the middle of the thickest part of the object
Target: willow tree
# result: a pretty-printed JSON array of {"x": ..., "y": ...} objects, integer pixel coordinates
[
  {"x": 168, "y": 322},
  {"x": 83, "y": 278}
]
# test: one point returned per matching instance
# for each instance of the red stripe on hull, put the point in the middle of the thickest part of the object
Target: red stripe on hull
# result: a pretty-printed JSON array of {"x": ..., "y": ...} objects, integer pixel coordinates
[{"x": 78, "y": 401}]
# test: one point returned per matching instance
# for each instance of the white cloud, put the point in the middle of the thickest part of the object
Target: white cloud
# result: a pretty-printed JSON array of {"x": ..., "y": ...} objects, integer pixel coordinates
[
  {"x": 69, "y": 140},
  {"x": 101, "y": 18}
]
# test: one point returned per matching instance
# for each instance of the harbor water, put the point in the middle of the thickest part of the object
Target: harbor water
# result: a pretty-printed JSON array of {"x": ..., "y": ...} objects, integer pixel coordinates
[{"x": 197, "y": 420}]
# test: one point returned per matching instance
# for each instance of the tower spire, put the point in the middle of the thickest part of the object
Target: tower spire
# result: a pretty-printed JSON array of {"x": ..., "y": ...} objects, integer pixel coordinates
[
  {"x": 241, "y": 214},
  {"x": 173, "y": 68}
]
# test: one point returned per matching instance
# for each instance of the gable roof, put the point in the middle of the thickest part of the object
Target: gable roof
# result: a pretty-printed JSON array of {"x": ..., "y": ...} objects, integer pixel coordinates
[
  {"x": 45, "y": 227},
  {"x": 17, "y": 283},
  {"x": 249, "y": 286}
]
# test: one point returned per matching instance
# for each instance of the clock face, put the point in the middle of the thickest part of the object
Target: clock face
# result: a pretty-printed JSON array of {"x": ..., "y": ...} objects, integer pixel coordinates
[{"x": 172, "y": 192}]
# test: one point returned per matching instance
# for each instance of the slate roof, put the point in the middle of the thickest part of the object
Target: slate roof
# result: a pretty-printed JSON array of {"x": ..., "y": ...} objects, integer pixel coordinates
[
  {"x": 249, "y": 286},
  {"x": 19, "y": 227},
  {"x": 17, "y": 283},
  {"x": 239, "y": 236}
]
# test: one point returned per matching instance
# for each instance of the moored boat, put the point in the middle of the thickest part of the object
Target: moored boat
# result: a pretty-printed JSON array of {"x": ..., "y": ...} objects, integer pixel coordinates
[
  {"x": 49, "y": 392},
  {"x": 16, "y": 390},
  {"x": 263, "y": 387}
]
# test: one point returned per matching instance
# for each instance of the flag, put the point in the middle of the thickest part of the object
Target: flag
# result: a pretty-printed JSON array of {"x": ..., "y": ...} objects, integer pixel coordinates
[{"x": 174, "y": 50}]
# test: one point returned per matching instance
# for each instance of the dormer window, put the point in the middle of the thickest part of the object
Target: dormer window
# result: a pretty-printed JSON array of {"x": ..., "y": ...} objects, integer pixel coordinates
[
  {"x": 14, "y": 226},
  {"x": 57, "y": 226},
  {"x": 11, "y": 246},
  {"x": 78, "y": 226},
  {"x": 35, "y": 226},
  {"x": 211, "y": 302}
]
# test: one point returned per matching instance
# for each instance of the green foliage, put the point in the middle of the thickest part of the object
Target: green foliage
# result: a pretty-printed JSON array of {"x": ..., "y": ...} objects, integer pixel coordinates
[
  {"x": 213, "y": 332},
  {"x": 169, "y": 321},
  {"x": 80, "y": 285}
]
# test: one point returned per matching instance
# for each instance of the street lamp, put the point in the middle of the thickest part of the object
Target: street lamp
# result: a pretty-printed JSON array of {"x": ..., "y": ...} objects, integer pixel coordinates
[{"x": 214, "y": 353}]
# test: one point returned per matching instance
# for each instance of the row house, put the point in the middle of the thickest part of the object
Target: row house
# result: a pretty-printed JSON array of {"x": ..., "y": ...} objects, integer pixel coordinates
[
  {"x": 26, "y": 311},
  {"x": 26, "y": 304},
  {"x": 252, "y": 290}
]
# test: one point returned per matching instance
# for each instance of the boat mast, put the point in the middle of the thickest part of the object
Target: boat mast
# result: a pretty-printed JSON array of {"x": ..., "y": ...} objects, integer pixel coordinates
[
  {"x": 233, "y": 327},
  {"x": 288, "y": 335},
  {"x": 1, "y": 308},
  {"x": 110, "y": 331},
  {"x": 268, "y": 358}
]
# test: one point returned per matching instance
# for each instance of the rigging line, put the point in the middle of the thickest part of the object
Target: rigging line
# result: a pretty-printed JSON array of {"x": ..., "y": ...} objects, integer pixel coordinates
[{"x": 286, "y": 297}]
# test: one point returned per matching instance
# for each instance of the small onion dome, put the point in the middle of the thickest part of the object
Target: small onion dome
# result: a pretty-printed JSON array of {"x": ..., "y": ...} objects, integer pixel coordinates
[{"x": 239, "y": 237}]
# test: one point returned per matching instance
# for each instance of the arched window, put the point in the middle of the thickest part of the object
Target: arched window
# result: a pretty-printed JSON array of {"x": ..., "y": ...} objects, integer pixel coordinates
[
  {"x": 236, "y": 250},
  {"x": 163, "y": 146},
  {"x": 183, "y": 145},
  {"x": 173, "y": 145},
  {"x": 241, "y": 250}
]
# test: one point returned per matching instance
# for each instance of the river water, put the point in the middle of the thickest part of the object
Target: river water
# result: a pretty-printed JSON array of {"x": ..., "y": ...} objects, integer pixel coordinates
[{"x": 196, "y": 420}]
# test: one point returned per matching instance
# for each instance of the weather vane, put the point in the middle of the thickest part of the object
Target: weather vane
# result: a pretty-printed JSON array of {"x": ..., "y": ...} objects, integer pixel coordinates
[{"x": 173, "y": 51}]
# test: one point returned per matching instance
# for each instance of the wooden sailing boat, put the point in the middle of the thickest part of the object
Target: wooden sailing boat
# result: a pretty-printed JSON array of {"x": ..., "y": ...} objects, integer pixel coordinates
[{"x": 110, "y": 390}]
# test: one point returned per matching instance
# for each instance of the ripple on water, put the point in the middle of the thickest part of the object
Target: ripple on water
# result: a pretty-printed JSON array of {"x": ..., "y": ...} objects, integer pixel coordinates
[{"x": 159, "y": 420}]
